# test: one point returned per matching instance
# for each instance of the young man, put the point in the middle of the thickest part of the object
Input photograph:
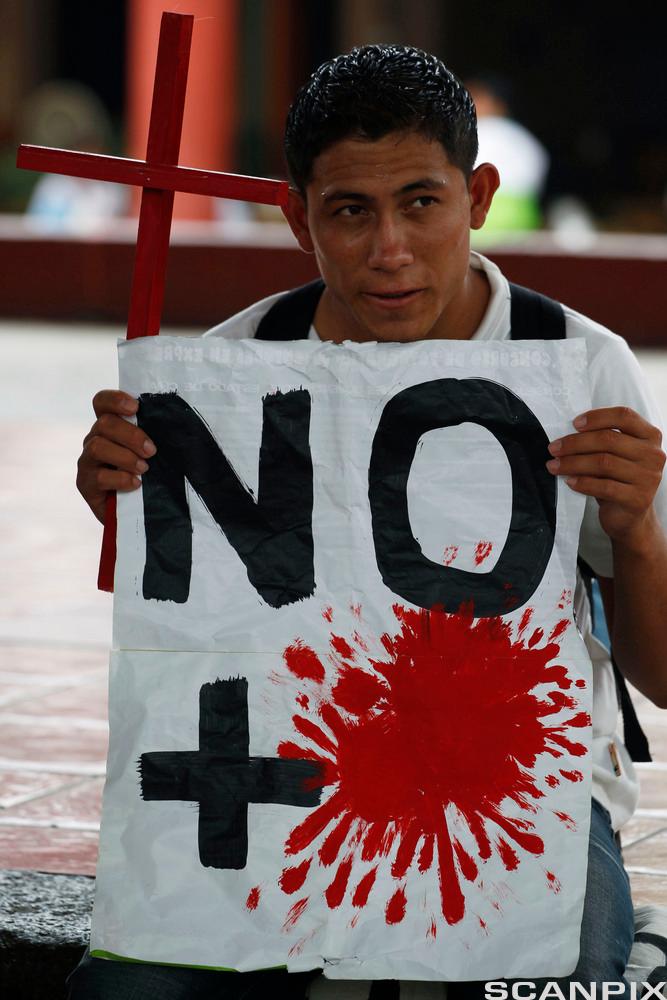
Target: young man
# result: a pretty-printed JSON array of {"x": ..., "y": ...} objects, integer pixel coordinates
[{"x": 381, "y": 146}]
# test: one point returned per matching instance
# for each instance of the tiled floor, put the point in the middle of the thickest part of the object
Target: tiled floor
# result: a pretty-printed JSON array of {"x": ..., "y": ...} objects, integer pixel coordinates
[{"x": 55, "y": 627}]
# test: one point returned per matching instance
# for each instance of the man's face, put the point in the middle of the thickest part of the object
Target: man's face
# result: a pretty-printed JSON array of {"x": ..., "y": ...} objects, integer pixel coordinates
[{"x": 389, "y": 224}]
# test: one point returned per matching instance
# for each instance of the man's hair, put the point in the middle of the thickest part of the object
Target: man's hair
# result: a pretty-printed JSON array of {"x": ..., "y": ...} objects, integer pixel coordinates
[{"x": 372, "y": 91}]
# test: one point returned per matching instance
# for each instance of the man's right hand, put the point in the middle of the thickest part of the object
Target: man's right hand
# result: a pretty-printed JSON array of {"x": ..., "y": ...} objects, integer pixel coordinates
[{"x": 114, "y": 451}]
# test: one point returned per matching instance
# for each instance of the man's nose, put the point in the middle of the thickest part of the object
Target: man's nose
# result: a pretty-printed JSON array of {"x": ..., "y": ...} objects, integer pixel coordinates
[{"x": 390, "y": 248}]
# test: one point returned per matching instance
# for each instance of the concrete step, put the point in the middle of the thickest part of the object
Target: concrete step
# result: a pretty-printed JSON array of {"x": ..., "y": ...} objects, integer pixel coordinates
[{"x": 44, "y": 929}]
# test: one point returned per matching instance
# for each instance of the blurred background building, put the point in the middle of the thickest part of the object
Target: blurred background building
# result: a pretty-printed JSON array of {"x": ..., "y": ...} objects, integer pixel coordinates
[
  {"x": 586, "y": 82},
  {"x": 582, "y": 89}
]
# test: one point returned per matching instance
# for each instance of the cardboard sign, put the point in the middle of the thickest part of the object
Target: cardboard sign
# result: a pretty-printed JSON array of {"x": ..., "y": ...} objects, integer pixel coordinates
[{"x": 350, "y": 710}]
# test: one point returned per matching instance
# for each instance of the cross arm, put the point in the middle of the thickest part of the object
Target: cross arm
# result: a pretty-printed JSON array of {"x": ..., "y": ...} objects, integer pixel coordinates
[{"x": 163, "y": 177}]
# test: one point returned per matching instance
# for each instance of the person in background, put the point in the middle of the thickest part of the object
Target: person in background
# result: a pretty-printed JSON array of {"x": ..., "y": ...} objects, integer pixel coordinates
[
  {"x": 521, "y": 159},
  {"x": 69, "y": 115}
]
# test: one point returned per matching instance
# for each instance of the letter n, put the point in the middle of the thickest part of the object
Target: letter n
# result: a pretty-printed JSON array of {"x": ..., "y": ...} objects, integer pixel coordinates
[{"x": 272, "y": 534}]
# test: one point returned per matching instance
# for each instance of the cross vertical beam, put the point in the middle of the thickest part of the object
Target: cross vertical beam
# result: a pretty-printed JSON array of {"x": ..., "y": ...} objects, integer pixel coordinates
[
  {"x": 160, "y": 176},
  {"x": 164, "y": 143},
  {"x": 150, "y": 263}
]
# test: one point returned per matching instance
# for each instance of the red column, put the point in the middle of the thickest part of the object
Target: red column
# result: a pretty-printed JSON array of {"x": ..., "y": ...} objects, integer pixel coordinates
[{"x": 209, "y": 125}]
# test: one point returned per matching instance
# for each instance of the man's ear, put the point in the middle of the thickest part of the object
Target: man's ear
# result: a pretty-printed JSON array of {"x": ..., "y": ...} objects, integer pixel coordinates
[
  {"x": 482, "y": 186},
  {"x": 296, "y": 214}
]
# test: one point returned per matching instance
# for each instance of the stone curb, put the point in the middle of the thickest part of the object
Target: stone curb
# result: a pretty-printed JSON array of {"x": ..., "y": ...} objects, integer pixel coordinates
[{"x": 44, "y": 928}]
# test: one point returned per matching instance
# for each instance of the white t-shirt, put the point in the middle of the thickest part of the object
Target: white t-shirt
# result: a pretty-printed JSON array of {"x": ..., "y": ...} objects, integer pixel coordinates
[{"x": 616, "y": 380}]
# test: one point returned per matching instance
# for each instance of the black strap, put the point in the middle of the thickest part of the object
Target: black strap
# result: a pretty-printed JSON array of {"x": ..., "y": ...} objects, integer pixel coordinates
[
  {"x": 533, "y": 317},
  {"x": 634, "y": 736},
  {"x": 291, "y": 316}
]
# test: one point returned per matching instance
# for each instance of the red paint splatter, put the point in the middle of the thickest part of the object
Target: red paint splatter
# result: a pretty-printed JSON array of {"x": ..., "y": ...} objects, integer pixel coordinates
[
  {"x": 336, "y": 891},
  {"x": 327, "y": 614},
  {"x": 525, "y": 621},
  {"x": 536, "y": 637},
  {"x": 468, "y": 867},
  {"x": 482, "y": 924},
  {"x": 342, "y": 647},
  {"x": 450, "y": 554},
  {"x": 567, "y": 820},
  {"x": 393, "y": 741},
  {"x": 482, "y": 552},
  {"x": 558, "y": 629},
  {"x": 292, "y": 879},
  {"x": 432, "y": 931},
  {"x": 395, "y": 909},
  {"x": 553, "y": 882},
  {"x": 303, "y": 662},
  {"x": 361, "y": 643},
  {"x": 558, "y": 674},
  {"x": 252, "y": 902},
  {"x": 508, "y": 855},
  {"x": 565, "y": 599},
  {"x": 552, "y": 781},
  {"x": 356, "y": 610},
  {"x": 314, "y": 733},
  {"x": 294, "y": 912},
  {"x": 303, "y": 701},
  {"x": 581, "y": 683},
  {"x": 573, "y": 775},
  {"x": 362, "y": 892}
]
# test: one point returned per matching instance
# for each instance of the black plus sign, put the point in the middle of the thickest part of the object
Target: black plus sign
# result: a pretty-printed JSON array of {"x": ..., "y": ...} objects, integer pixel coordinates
[{"x": 223, "y": 778}]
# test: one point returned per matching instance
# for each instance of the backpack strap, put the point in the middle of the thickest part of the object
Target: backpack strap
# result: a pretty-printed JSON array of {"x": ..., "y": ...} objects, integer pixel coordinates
[
  {"x": 534, "y": 316},
  {"x": 290, "y": 317},
  {"x": 634, "y": 736}
]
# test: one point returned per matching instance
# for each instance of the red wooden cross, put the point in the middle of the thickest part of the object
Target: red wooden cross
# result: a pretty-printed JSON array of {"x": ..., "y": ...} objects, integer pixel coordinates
[{"x": 160, "y": 176}]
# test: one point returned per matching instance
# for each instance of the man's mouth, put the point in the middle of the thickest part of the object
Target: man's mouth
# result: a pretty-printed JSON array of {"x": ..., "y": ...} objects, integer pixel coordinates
[{"x": 394, "y": 298}]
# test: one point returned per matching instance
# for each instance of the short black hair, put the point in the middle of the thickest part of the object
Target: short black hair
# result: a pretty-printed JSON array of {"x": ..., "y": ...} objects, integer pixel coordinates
[{"x": 372, "y": 91}]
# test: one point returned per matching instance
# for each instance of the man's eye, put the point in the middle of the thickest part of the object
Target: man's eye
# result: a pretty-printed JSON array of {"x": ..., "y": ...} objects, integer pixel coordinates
[
  {"x": 348, "y": 210},
  {"x": 425, "y": 199}
]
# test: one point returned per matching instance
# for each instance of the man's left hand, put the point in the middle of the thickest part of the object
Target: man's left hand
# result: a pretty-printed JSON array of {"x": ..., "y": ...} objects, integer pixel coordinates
[{"x": 616, "y": 457}]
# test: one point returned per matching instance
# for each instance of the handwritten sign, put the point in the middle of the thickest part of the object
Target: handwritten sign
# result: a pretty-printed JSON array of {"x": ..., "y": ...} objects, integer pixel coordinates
[{"x": 350, "y": 710}]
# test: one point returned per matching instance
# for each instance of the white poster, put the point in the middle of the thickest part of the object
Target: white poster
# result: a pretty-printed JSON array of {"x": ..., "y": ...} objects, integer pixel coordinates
[{"x": 350, "y": 708}]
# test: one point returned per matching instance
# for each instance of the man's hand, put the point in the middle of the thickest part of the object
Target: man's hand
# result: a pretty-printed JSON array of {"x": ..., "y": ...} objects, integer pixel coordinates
[
  {"x": 114, "y": 451},
  {"x": 616, "y": 457}
]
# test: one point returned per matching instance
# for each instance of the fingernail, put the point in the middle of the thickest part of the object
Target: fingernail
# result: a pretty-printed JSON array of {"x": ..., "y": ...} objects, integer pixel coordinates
[
  {"x": 129, "y": 406},
  {"x": 141, "y": 466},
  {"x": 555, "y": 447},
  {"x": 136, "y": 481},
  {"x": 149, "y": 448},
  {"x": 553, "y": 465},
  {"x": 572, "y": 481},
  {"x": 579, "y": 421}
]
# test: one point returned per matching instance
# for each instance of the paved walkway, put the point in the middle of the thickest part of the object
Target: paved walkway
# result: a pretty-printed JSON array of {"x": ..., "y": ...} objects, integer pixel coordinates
[{"x": 55, "y": 628}]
